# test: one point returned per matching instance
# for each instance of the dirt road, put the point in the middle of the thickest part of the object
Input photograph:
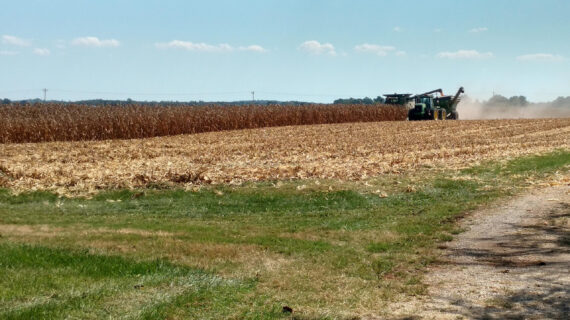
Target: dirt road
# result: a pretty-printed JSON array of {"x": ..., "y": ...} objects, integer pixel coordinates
[{"x": 513, "y": 262}]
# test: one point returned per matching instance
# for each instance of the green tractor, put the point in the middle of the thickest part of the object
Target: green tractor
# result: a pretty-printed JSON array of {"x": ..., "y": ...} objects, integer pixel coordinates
[{"x": 426, "y": 107}]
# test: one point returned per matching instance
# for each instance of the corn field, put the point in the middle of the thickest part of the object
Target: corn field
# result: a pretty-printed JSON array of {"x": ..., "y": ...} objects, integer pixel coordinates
[{"x": 59, "y": 122}]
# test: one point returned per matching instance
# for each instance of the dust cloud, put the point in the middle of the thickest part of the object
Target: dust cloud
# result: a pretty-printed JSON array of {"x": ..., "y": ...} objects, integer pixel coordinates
[{"x": 470, "y": 109}]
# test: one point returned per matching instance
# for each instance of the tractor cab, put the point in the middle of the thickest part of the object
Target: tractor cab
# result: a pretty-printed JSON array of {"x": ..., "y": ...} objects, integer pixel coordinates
[
  {"x": 424, "y": 108},
  {"x": 423, "y": 104},
  {"x": 426, "y": 101}
]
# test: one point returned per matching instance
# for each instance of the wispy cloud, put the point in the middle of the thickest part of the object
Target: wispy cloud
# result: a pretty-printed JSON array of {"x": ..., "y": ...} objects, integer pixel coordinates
[
  {"x": 465, "y": 54},
  {"x": 317, "y": 48},
  {"x": 42, "y": 52},
  {"x": 8, "y": 53},
  {"x": 95, "y": 42},
  {"x": 15, "y": 41},
  {"x": 375, "y": 49},
  {"x": 205, "y": 47},
  {"x": 253, "y": 48},
  {"x": 191, "y": 46},
  {"x": 397, "y": 29},
  {"x": 541, "y": 57},
  {"x": 479, "y": 29},
  {"x": 60, "y": 44}
]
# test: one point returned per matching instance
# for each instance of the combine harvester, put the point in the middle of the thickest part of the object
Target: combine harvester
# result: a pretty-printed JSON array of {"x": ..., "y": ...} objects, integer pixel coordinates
[{"x": 427, "y": 107}]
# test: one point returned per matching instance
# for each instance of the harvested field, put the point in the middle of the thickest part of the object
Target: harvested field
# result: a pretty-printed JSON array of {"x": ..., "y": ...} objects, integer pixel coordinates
[
  {"x": 58, "y": 122},
  {"x": 351, "y": 151}
]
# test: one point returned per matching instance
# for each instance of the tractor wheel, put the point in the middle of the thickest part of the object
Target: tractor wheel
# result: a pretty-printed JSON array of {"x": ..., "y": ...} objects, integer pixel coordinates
[
  {"x": 411, "y": 115},
  {"x": 435, "y": 114},
  {"x": 454, "y": 115},
  {"x": 442, "y": 114}
]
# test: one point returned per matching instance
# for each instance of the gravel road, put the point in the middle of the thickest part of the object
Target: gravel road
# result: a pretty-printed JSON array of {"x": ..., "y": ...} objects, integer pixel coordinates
[{"x": 513, "y": 262}]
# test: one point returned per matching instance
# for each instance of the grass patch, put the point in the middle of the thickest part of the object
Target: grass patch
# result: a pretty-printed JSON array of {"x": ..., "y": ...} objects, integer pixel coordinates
[
  {"x": 239, "y": 252},
  {"x": 39, "y": 282}
]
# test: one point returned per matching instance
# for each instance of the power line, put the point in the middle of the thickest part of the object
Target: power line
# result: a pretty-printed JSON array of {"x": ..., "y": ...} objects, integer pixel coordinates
[
  {"x": 148, "y": 93},
  {"x": 192, "y": 95},
  {"x": 19, "y": 90},
  {"x": 311, "y": 94},
  {"x": 209, "y": 93}
]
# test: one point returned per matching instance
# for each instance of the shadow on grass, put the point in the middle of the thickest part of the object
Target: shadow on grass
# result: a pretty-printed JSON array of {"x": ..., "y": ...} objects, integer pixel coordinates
[
  {"x": 537, "y": 239},
  {"x": 550, "y": 302},
  {"x": 538, "y": 253}
]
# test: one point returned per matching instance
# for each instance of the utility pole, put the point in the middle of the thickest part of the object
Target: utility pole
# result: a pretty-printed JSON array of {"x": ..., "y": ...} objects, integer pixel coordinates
[
  {"x": 253, "y": 96},
  {"x": 45, "y": 92}
]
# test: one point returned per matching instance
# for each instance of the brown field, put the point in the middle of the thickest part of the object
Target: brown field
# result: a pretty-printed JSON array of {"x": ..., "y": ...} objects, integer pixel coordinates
[
  {"x": 350, "y": 151},
  {"x": 58, "y": 122}
]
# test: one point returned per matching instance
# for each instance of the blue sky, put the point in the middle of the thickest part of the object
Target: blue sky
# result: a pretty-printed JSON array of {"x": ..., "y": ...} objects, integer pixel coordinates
[{"x": 287, "y": 50}]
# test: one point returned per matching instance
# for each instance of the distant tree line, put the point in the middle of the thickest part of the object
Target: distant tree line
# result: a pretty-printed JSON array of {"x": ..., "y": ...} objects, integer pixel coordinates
[
  {"x": 494, "y": 101},
  {"x": 514, "y": 101},
  {"x": 360, "y": 101},
  {"x": 521, "y": 101},
  {"x": 561, "y": 102}
]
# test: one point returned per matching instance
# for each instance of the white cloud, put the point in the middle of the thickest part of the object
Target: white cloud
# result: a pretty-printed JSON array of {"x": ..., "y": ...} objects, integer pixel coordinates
[
  {"x": 397, "y": 29},
  {"x": 541, "y": 57},
  {"x": 479, "y": 29},
  {"x": 205, "y": 47},
  {"x": 317, "y": 48},
  {"x": 375, "y": 49},
  {"x": 437, "y": 30},
  {"x": 465, "y": 54},
  {"x": 15, "y": 41},
  {"x": 400, "y": 53},
  {"x": 95, "y": 42},
  {"x": 8, "y": 53},
  {"x": 253, "y": 48},
  {"x": 41, "y": 52}
]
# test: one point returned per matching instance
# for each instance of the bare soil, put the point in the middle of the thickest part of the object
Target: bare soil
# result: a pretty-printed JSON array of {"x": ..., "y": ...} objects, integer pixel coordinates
[{"x": 513, "y": 262}]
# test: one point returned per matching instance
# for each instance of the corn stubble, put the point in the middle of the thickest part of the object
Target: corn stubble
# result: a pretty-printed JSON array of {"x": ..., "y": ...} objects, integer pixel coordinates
[
  {"x": 59, "y": 122},
  {"x": 349, "y": 151}
]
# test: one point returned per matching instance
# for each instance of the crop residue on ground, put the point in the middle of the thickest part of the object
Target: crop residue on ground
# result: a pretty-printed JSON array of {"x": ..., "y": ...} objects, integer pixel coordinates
[{"x": 351, "y": 151}]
